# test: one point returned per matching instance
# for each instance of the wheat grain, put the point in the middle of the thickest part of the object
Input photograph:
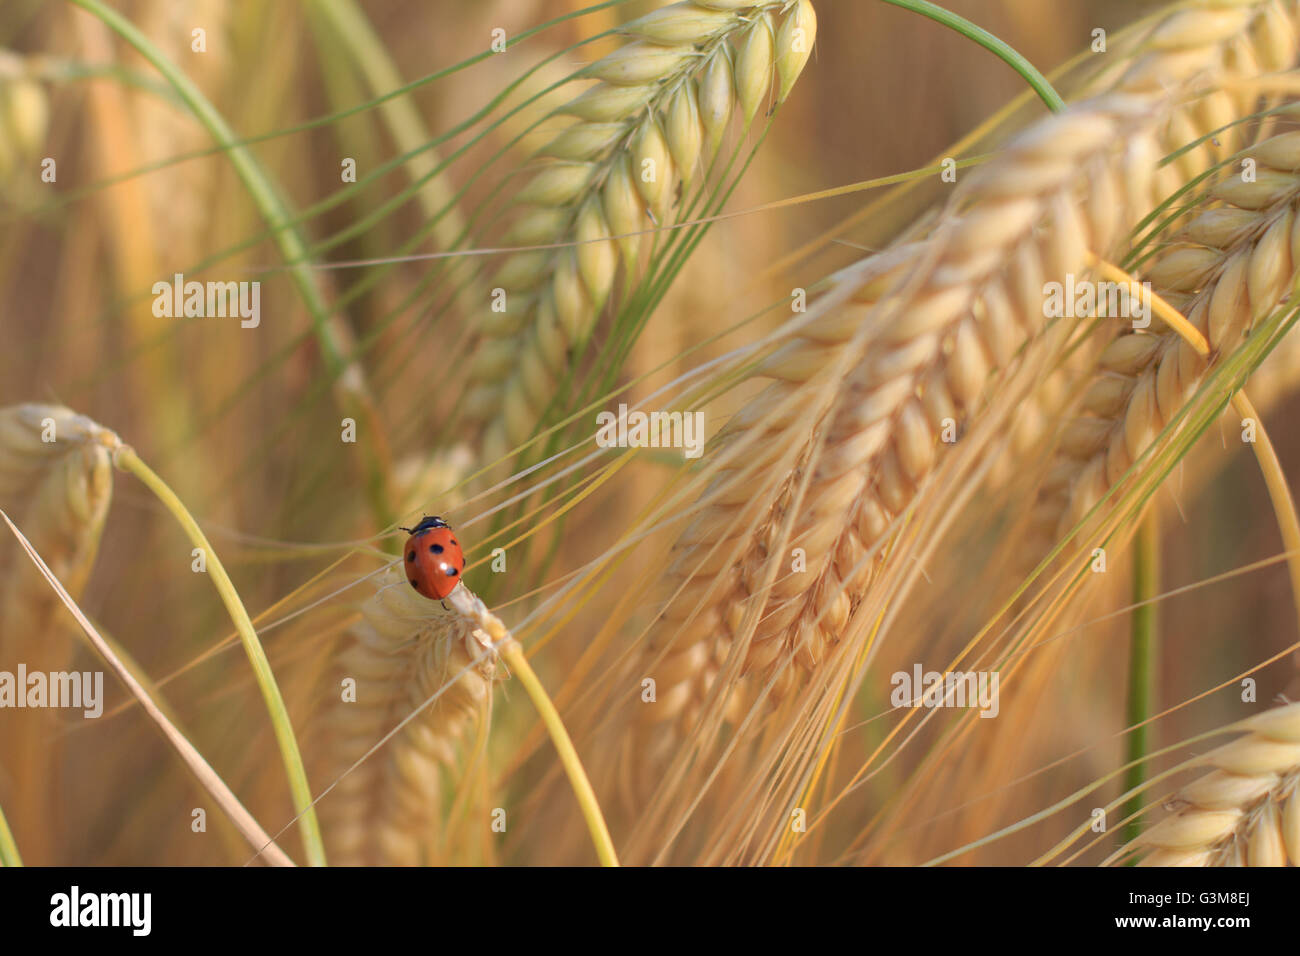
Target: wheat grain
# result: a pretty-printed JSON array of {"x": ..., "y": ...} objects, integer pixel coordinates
[
  {"x": 1267, "y": 43},
  {"x": 651, "y": 125},
  {"x": 1277, "y": 376},
  {"x": 1221, "y": 39},
  {"x": 1240, "y": 39},
  {"x": 1246, "y": 812},
  {"x": 24, "y": 119},
  {"x": 184, "y": 196},
  {"x": 24, "y": 124},
  {"x": 420, "y": 478}
]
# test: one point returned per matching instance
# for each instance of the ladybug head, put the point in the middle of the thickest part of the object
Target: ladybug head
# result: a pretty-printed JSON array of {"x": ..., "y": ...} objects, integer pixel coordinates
[{"x": 432, "y": 521}]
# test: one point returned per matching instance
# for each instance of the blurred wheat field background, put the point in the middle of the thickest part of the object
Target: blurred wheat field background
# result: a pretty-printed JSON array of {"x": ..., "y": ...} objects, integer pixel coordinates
[{"x": 824, "y": 229}]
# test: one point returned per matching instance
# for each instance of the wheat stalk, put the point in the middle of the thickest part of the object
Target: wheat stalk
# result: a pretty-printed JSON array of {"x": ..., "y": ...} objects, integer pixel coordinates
[
  {"x": 1246, "y": 811},
  {"x": 263, "y": 844},
  {"x": 647, "y": 129}
]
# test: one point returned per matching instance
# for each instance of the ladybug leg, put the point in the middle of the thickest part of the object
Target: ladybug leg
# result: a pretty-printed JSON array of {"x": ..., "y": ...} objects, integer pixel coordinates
[{"x": 444, "y": 605}]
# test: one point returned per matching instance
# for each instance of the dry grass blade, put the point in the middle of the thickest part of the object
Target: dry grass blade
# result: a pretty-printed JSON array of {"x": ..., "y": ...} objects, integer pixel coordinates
[
  {"x": 648, "y": 129},
  {"x": 210, "y": 780}
]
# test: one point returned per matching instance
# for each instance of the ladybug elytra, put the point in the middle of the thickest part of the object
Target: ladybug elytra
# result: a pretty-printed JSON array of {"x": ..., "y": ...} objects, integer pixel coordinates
[{"x": 434, "y": 560}]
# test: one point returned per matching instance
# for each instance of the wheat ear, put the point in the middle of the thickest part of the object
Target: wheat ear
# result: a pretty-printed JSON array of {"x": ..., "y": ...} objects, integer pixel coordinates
[
  {"x": 962, "y": 322},
  {"x": 1246, "y": 811},
  {"x": 653, "y": 120},
  {"x": 1263, "y": 41},
  {"x": 1231, "y": 265},
  {"x": 1208, "y": 42},
  {"x": 956, "y": 308},
  {"x": 425, "y": 677},
  {"x": 58, "y": 481},
  {"x": 56, "y": 478},
  {"x": 406, "y": 649}
]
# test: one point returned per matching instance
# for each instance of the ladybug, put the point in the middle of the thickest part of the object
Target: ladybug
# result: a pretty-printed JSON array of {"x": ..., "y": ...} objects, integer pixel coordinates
[{"x": 434, "y": 560}]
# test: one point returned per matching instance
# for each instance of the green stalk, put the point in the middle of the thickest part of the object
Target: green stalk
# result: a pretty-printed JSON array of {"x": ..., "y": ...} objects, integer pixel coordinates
[
  {"x": 126, "y": 459},
  {"x": 1143, "y": 660},
  {"x": 1000, "y": 48}
]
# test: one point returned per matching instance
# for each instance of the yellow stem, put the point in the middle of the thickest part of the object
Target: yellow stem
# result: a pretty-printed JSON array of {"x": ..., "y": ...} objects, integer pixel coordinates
[
  {"x": 1167, "y": 313},
  {"x": 1278, "y": 490},
  {"x": 513, "y": 655},
  {"x": 1274, "y": 478}
]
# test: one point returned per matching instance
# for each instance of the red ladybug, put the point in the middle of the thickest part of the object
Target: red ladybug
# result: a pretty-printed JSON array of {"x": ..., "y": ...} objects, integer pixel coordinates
[{"x": 434, "y": 560}]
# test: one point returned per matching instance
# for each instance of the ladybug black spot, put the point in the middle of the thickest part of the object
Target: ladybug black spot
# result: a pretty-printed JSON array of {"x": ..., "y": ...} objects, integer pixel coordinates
[
  {"x": 415, "y": 584},
  {"x": 453, "y": 572},
  {"x": 455, "y": 542},
  {"x": 410, "y": 556},
  {"x": 436, "y": 548}
]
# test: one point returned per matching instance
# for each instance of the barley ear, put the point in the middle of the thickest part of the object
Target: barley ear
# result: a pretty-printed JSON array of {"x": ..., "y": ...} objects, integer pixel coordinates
[
  {"x": 652, "y": 124},
  {"x": 1246, "y": 811},
  {"x": 56, "y": 481},
  {"x": 387, "y": 809}
]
